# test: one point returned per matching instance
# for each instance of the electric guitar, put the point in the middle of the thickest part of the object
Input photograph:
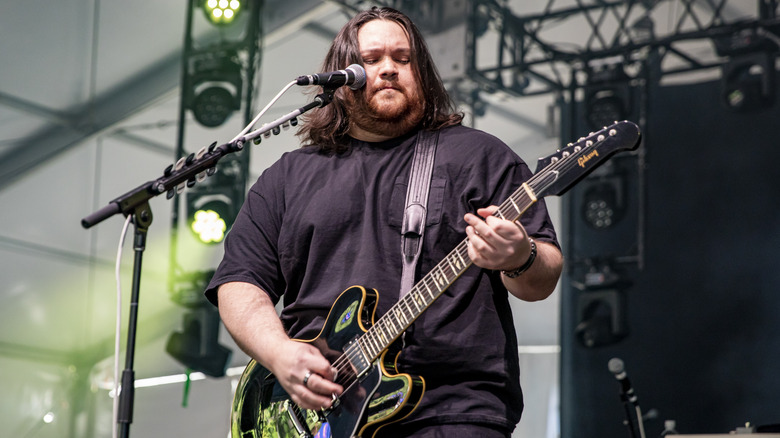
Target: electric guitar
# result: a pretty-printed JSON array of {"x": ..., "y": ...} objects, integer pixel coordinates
[{"x": 361, "y": 349}]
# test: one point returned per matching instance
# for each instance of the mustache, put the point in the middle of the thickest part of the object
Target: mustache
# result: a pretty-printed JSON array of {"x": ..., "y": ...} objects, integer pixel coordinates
[{"x": 385, "y": 85}]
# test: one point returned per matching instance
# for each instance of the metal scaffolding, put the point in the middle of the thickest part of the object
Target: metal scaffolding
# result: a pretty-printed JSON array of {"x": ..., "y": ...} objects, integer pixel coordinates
[{"x": 527, "y": 54}]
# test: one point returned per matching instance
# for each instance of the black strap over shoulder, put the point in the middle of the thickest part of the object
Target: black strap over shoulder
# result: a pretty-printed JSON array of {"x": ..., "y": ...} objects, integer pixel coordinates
[{"x": 415, "y": 210}]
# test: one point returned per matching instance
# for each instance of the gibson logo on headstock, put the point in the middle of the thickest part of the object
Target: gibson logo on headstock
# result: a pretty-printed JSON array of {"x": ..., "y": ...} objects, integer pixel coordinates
[{"x": 585, "y": 158}]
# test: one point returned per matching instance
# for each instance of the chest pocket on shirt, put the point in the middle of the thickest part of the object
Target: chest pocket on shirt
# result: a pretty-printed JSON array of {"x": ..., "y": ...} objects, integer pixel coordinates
[{"x": 398, "y": 201}]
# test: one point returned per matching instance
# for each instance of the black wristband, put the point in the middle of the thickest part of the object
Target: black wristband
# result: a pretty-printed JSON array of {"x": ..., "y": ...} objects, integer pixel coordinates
[{"x": 516, "y": 273}]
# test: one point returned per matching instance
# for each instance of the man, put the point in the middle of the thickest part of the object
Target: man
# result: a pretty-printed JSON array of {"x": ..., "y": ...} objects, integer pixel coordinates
[{"x": 328, "y": 216}]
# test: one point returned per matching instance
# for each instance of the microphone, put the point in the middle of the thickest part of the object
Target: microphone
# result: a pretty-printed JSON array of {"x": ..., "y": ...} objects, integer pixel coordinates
[
  {"x": 617, "y": 368},
  {"x": 354, "y": 76}
]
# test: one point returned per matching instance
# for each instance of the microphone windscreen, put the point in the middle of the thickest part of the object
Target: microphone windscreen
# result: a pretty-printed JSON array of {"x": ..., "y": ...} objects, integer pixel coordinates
[
  {"x": 360, "y": 76},
  {"x": 616, "y": 365}
]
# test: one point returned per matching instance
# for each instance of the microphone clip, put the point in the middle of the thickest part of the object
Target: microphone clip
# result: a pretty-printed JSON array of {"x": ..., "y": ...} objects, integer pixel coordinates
[{"x": 325, "y": 97}]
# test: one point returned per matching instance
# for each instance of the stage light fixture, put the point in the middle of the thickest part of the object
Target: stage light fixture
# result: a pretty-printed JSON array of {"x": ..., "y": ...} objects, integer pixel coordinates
[
  {"x": 221, "y": 12},
  {"x": 601, "y": 318},
  {"x": 210, "y": 216},
  {"x": 215, "y": 88},
  {"x": 748, "y": 82},
  {"x": 607, "y": 96},
  {"x": 197, "y": 345},
  {"x": 603, "y": 204},
  {"x": 213, "y": 106},
  {"x": 604, "y": 107},
  {"x": 748, "y": 77}
]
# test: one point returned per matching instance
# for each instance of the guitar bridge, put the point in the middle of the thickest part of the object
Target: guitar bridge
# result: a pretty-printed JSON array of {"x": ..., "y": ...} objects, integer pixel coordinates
[{"x": 299, "y": 423}]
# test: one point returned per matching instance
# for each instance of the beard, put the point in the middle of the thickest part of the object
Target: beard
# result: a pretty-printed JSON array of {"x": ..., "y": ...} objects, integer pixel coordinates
[{"x": 377, "y": 114}]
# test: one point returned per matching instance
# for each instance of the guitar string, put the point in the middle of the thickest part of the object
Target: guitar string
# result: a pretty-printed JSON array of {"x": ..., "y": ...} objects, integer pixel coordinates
[
  {"x": 509, "y": 205},
  {"x": 561, "y": 165},
  {"x": 376, "y": 333},
  {"x": 343, "y": 365}
]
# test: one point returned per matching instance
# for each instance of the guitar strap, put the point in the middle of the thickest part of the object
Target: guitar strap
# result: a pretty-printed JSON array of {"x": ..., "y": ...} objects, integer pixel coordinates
[{"x": 413, "y": 226}]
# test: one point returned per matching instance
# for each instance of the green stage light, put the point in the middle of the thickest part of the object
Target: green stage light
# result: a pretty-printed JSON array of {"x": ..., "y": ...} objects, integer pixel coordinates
[
  {"x": 212, "y": 206},
  {"x": 209, "y": 226},
  {"x": 221, "y": 12},
  {"x": 210, "y": 215}
]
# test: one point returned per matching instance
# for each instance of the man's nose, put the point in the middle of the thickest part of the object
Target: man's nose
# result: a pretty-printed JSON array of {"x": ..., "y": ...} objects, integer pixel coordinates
[{"x": 388, "y": 69}]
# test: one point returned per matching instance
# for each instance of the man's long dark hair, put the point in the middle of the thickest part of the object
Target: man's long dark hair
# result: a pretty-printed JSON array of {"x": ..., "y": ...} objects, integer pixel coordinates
[{"x": 326, "y": 128}]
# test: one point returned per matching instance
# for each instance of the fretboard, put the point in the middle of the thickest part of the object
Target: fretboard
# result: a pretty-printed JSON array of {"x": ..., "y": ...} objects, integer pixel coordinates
[{"x": 393, "y": 323}]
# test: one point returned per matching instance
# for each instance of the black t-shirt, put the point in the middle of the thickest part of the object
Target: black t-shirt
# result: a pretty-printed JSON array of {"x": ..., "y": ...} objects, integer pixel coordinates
[{"x": 315, "y": 224}]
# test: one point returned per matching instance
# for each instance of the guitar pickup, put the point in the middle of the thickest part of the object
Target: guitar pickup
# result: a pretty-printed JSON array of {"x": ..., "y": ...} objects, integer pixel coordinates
[{"x": 357, "y": 358}]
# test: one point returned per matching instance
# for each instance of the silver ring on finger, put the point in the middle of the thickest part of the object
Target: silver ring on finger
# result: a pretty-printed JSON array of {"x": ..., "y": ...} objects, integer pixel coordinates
[{"x": 306, "y": 378}]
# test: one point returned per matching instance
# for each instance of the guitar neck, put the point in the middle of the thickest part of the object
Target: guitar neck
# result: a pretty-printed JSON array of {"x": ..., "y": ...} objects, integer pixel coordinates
[{"x": 393, "y": 323}]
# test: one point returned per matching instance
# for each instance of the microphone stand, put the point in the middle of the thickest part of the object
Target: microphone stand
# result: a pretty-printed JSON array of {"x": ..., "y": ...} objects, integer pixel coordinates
[
  {"x": 628, "y": 402},
  {"x": 629, "y": 422},
  {"x": 186, "y": 172}
]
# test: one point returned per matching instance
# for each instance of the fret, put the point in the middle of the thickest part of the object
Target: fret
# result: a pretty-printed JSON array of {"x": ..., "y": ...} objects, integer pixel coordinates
[
  {"x": 462, "y": 260},
  {"x": 517, "y": 209},
  {"x": 443, "y": 274},
  {"x": 373, "y": 343},
  {"x": 395, "y": 327},
  {"x": 445, "y": 264},
  {"x": 409, "y": 311},
  {"x": 382, "y": 335},
  {"x": 499, "y": 214},
  {"x": 381, "y": 338},
  {"x": 409, "y": 300},
  {"x": 401, "y": 316},
  {"x": 452, "y": 267},
  {"x": 419, "y": 306},
  {"x": 425, "y": 283},
  {"x": 439, "y": 281},
  {"x": 419, "y": 302}
]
